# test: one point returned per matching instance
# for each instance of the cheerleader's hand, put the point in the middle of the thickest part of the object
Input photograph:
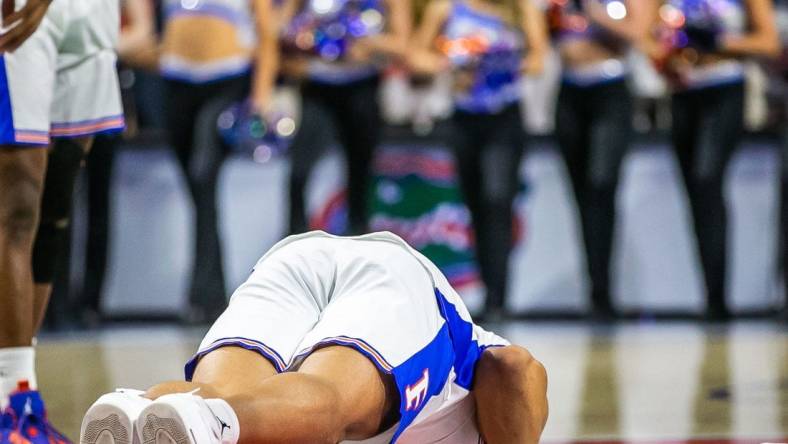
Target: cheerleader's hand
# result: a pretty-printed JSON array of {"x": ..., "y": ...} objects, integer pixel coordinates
[
  {"x": 595, "y": 10},
  {"x": 295, "y": 67},
  {"x": 532, "y": 64},
  {"x": 260, "y": 104},
  {"x": 359, "y": 51},
  {"x": 427, "y": 63}
]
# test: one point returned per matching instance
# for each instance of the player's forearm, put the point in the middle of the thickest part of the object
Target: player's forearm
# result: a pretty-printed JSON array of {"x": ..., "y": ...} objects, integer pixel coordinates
[{"x": 511, "y": 396}]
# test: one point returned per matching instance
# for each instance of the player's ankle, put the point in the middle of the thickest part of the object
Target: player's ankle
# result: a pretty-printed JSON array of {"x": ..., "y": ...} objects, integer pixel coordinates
[
  {"x": 16, "y": 364},
  {"x": 226, "y": 415}
]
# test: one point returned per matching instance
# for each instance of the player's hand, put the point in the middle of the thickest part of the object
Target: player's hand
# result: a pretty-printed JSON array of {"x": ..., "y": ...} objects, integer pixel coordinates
[{"x": 22, "y": 24}]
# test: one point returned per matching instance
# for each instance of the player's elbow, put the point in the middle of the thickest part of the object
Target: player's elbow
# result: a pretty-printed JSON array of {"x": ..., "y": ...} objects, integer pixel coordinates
[
  {"x": 517, "y": 362},
  {"x": 523, "y": 374}
]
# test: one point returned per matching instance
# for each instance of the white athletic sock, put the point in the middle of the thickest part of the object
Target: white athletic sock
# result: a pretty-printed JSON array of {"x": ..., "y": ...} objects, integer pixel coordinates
[
  {"x": 231, "y": 430},
  {"x": 16, "y": 364}
]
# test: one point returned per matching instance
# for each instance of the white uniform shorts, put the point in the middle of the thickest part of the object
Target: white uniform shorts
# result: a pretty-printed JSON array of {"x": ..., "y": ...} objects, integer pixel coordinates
[
  {"x": 62, "y": 82},
  {"x": 378, "y": 296}
]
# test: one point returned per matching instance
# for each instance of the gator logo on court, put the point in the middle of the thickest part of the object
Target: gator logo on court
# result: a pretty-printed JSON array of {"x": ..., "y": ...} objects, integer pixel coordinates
[{"x": 415, "y": 393}]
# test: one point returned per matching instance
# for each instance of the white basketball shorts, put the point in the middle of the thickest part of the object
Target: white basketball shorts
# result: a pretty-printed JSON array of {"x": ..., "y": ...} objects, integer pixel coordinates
[{"x": 62, "y": 82}]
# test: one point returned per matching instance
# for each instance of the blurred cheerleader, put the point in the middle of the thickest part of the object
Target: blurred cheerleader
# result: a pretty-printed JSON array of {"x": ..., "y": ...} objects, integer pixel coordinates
[
  {"x": 486, "y": 44},
  {"x": 337, "y": 49},
  {"x": 594, "y": 117},
  {"x": 211, "y": 49},
  {"x": 701, "y": 45}
]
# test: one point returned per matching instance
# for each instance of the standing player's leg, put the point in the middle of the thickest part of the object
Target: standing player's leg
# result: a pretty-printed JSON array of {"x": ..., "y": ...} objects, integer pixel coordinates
[
  {"x": 27, "y": 79},
  {"x": 65, "y": 161},
  {"x": 21, "y": 184}
]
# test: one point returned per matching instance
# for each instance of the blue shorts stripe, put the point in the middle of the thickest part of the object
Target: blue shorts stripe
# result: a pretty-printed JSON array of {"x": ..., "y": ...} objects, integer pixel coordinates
[
  {"x": 359, "y": 345},
  {"x": 7, "y": 131}
]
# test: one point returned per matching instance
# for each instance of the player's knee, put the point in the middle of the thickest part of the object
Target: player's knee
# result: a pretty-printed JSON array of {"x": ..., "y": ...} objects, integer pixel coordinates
[{"x": 19, "y": 207}]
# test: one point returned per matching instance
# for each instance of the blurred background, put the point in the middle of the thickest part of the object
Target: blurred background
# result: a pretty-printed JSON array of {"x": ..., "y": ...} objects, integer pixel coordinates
[{"x": 133, "y": 250}]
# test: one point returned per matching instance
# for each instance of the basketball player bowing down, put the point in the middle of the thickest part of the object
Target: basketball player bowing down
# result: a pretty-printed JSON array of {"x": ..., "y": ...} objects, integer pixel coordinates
[{"x": 339, "y": 339}]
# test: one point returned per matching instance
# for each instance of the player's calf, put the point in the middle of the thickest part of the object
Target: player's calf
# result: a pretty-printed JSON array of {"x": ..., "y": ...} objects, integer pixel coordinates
[
  {"x": 21, "y": 185},
  {"x": 21, "y": 182}
]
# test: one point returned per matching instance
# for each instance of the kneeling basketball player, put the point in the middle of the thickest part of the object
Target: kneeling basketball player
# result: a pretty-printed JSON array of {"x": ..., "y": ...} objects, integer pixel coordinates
[{"x": 335, "y": 339}]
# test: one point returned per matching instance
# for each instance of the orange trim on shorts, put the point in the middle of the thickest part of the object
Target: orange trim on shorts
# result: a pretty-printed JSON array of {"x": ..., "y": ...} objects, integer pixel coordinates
[
  {"x": 33, "y": 137},
  {"x": 78, "y": 130}
]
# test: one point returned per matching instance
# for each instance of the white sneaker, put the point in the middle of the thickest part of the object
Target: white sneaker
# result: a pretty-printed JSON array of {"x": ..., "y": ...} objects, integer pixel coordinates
[
  {"x": 185, "y": 418},
  {"x": 111, "y": 419}
]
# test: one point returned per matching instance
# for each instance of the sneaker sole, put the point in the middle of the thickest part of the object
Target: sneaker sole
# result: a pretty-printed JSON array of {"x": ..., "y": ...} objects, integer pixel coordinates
[
  {"x": 107, "y": 424},
  {"x": 162, "y": 424}
]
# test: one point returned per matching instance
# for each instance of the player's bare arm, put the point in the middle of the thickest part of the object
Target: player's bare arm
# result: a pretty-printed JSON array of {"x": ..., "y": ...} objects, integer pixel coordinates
[
  {"x": 511, "y": 396},
  {"x": 22, "y": 24}
]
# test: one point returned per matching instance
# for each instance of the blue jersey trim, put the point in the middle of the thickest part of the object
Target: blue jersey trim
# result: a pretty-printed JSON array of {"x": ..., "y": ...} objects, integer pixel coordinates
[
  {"x": 421, "y": 377},
  {"x": 7, "y": 131},
  {"x": 466, "y": 349},
  {"x": 426, "y": 373}
]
